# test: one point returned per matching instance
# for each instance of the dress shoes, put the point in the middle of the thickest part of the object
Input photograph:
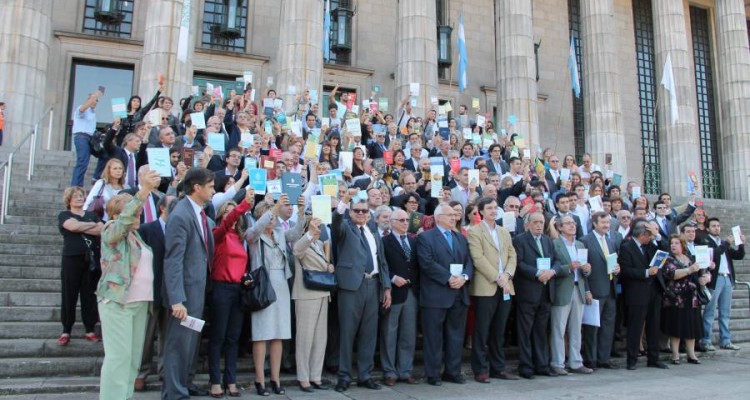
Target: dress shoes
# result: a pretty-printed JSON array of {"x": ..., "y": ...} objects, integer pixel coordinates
[
  {"x": 657, "y": 364},
  {"x": 559, "y": 371},
  {"x": 526, "y": 375},
  {"x": 319, "y": 386},
  {"x": 548, "y": 372},
  {"x": 369, "y": 383},
  {"x": 306, "y": 389},
  {"x": 410, "y": 380},
  {"x": 504, "y": 375},
  {"x": 482, "y": 378},
  {"x": 390, "y": 381},
  {"x": 589, "y": 364},
  {"x": 459, "y": 379},
  {"x": 607, "y": 365},
  {"x": 196, "y": 391},
  {"x": 435, "y": 381},
  {"x": 581, "y": 370},
  {"x": 139, "y": 385},
  {"x": 341, "y": 386}
]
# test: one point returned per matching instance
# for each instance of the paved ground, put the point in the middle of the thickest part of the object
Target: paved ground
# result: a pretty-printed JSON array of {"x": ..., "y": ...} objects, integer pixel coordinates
[{"x": 723, "y": 376}]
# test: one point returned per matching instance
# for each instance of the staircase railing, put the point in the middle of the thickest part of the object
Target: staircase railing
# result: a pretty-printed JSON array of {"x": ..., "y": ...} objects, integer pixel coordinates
[
  {"x": 745, "y": 284},
  {"x": 7, "y": 166}
]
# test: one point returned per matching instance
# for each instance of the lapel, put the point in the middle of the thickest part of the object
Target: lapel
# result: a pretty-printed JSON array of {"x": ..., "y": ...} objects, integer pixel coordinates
[
  {"x": 532, "y": 243},
  {"x": 598, "y": 247},
  {"x": 446, "y": 247},
  {"x": 194, "y": 218},
  {"x": 397, "y": 242},
  {"x": 488, "y": 237},
  {"x": 564, "y": 254}
]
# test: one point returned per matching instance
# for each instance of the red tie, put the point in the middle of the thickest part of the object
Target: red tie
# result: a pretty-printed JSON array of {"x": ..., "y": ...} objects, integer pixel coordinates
[
  {"x": 204, "y": 222},
  {"x": 149, "y": 211}
]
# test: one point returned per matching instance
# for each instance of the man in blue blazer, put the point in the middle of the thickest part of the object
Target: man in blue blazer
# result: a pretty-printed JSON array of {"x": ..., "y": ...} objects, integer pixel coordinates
[
  {"x": 445, "y": 266},
  {"x": 537, "y": 263}
]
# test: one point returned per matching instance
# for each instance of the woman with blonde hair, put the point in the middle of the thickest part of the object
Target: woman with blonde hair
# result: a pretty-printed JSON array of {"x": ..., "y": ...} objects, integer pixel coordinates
[
  {"x": 112, "y": 182},
  {"x": 125, "y": 290}
]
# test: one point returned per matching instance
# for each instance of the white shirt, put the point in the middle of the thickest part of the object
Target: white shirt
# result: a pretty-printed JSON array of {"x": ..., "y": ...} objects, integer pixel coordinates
[
  {"x": 623, "y": 230},
  {"x": 582, "y": 211},
  {"x": 197, "y": 210},
  {"x": 723, "y": 263},
  {"x": 496, "y": 239},
  {"x": 572, "y": 252},
  {"x": 373, "y": 247}
]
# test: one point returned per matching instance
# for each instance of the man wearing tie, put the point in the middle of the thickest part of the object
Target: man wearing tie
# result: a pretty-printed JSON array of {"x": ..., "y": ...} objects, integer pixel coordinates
[
  {"x": 398, "y": 327},
  {"x": 642, "y": 288},
  {"x": 445, "y": 266},
  {"x": 377, "y": 150},
  {"x": 601, "y": 243},
  {"x": 189, "y": 248},
  {"x": 150, "y": 212},
  {"x": 570, "y": 296},
  {"x": 491, "y": 289},
  {"x": 463, "y": 192},
  {"x": 363, "y": 277},
  {"x": 537, "y": 265}
]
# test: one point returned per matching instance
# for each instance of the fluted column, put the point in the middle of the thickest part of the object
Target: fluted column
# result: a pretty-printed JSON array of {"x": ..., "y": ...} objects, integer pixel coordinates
[
  {"x": 516, "y": 67},
  {"x": 25, "y": 31},
  {"x": 602, "y": 108},
  {"x": 300, "y": 52},
  {"x": 416, "y": 52},
  {"x": 679, "y": 143},
  {"x": 734, "y": 96},
  {"x": 160, "y": 47}
]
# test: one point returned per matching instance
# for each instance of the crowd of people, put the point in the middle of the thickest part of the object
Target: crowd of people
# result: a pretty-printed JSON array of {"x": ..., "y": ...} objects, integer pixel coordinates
[{"x": 440, "y": 226}]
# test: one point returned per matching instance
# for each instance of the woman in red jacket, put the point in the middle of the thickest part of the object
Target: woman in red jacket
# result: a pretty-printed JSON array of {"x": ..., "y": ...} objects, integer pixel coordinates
[{"x": 230, "y": 263}]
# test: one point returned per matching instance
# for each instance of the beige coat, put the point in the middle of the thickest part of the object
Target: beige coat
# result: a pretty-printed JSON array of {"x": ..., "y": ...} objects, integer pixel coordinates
[
  {"x": 485, "y": 256},
  {"x": 311, "y": 258}
]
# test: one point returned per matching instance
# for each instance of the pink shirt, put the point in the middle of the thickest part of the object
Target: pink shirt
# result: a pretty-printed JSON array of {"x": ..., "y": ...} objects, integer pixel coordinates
[{"x": 142, "y": 285}]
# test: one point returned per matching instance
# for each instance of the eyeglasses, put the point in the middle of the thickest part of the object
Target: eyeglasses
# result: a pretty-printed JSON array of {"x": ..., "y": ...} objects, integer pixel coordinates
[
  {"x": 400, "y": 219},
  {"x": 512, "y": 207},
  {"x": 554, "y": 161},
  {"x": 360, "y": 210}
]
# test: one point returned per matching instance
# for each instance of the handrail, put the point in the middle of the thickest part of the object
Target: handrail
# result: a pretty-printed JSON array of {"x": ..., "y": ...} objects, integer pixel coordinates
[
  {"x": 8, "y": 165},
  {"x": 746, "y": 284}
]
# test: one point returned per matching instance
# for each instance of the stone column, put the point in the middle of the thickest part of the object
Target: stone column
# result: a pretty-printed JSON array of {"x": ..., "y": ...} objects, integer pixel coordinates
[
  {"x": 679, "y": 143},
  {"x": 300, "y": 52},
  {"x": 416, "y": 52},
  {"x": 601, "y": 84},
  {"x": 25, "y": 32},
  {"x": 734, "y": 97},
  {"x": 516, "y": 68},
  {"x": 160, "y": 49}
]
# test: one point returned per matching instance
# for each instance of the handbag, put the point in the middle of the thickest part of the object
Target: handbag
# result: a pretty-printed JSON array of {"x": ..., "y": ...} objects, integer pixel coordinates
[
  {"x": 704, "y": 296},
  {"x": 90, "y": 256},
  {"x": 97, "y": 205},
  {"x": 318, "y": 280},
  {"x": 96, "y": 144},
  {"x": 259, "y": 294}
]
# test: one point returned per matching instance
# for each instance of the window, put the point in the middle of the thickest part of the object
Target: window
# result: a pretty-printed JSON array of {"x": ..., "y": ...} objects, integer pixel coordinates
[
  {"x": 108, "y": 18},
  {"x": 325, "y": 98},
  {"x": 705, "y": 91},
  {"x": 227, "y": 83},
  {"x": 579, "y": 132},
  {"x": 340, "y": 35},
  {"x": 647, "y": 81},
  {"x": 444, "y": 38},
  {"x": 224, "y": 25},
  {"x": 87, "y": 76}
]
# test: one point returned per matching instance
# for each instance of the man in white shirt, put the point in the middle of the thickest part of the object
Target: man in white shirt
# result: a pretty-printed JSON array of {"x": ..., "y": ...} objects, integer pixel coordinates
[
  {"x": 623, "y": 226},
  {"x": 84, "y": 126},
  {"x": 587, "y": 168}
]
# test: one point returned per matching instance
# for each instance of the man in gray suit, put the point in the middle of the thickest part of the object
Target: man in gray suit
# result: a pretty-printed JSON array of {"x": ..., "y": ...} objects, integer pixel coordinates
[
  {"x": 465, "y": 192},
  {"x": 363, "y": 277},
  {"x": 189, "y": 247},
  {"x": 567, "y": 305},
  {"x": 598, "y": 340}
]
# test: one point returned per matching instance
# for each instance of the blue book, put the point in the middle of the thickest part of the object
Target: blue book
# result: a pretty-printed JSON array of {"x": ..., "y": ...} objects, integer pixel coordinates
[
  {"x": 257, "y": 179},
  {"x": 291, "y": 185}
]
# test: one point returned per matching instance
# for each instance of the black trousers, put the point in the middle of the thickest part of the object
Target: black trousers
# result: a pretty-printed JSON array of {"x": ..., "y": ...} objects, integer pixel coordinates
[
  {"x": 78, "y": 280},
  {"x": 533, "y": 346},
  {"x": 651, "y": 315},
  {"x": 443, "y": 334},
  {"x": 490, "y": 316}
]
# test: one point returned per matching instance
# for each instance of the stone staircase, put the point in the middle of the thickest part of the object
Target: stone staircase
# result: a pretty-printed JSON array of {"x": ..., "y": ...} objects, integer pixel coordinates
[{"x": 30, "y": 250}]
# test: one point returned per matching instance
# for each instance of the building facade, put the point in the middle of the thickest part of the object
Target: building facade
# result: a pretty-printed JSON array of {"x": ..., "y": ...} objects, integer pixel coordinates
[{"x": 53, "y": 53}]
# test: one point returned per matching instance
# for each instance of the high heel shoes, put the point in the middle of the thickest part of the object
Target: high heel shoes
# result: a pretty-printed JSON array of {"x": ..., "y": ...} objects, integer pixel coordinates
[
  {"x": 219, "y": 395},
  {"x": 261, "y": 389},
  {"x": 693, "y": 361},
  {"x": 230, "y": 393},
  {"x": 277, "y": 388}
]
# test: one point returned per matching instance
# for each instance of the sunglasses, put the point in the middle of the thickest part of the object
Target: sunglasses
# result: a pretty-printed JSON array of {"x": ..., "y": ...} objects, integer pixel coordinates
[
  {"x": 359, "y": 210},
  {"x": 400, "y": 219}
]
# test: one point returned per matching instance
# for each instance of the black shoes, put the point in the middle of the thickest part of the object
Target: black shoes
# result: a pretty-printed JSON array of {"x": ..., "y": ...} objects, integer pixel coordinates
[
  {"x": 369, "y": 383},
  {"x": 657, "y": 364},
  {"x": 341, "y": 386},
  {"x": 435, "y": 381},
  {"x": 459, "y": 379}
]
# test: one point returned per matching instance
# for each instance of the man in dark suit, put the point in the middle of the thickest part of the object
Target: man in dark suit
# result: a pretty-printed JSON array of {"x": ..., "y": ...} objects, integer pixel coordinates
[
  {"x": 189, "y": 248},
  {"x": 601, "y": 243},
  {"x": 128, "y": 154},
  {"x": 412, "y": 163},
  {"x": 153, "y": 235},
  {"x": 496, "y": 163},
  {"x": 667, "y": 223},
  {"x": 552, "y": 175},
  {"x": 398, "y": 327},
  {"x": 537, "y": 264},
  {"x": 722, "y": 279},
  {"x": 150, "y": 211},
  {"x": 562, "y": 204},
  {"x": 445, "y": 266},
  {"x": 363, "y": 279},
  {"x": 642, "y": 290},
  {"x": 377, "y": 149}
]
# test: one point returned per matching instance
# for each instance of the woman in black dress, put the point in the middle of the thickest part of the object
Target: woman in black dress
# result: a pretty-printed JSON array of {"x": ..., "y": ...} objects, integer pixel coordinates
[
  {"x": 80, "y": 230},
  {"x": 681, "y": 312}
]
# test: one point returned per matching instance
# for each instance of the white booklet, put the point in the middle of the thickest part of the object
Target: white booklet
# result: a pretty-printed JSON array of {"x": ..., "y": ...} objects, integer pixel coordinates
[{"x": 193, "y": 323}]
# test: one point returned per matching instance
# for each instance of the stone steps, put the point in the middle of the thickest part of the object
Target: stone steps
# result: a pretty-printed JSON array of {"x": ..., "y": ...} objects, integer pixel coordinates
[
  {"x": 48, "y": 348},
  {"x": 37, "y": 330},
  {"x": 28, "y": 239},
  {"x": 42, "y": 250},
  {"x": 31, "y": 285},
  {"x": 44, "y": 272},
  {"x": 33, "y": 313},
  {"x": 25, "y": 260}
]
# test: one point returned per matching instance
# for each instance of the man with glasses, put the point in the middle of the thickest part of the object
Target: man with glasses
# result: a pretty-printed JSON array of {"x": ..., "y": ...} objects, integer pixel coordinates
[
  {"x": 445, "y": 266},
  {"x": 233, "y": 163},
  {"x": 512, "y": 204},
  {"x": 623, "y": 224},
  {"x": 552, "y": 176},
  {"x": 668, "y": 224},
  {"x": 363, "y": 278},
  {"x": 496, "y": 163},
  {"x": 398, "y": 328}
]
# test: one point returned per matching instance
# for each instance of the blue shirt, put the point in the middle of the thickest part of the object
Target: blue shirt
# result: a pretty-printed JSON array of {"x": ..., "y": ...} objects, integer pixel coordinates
[{"x": 84, "y": 122}]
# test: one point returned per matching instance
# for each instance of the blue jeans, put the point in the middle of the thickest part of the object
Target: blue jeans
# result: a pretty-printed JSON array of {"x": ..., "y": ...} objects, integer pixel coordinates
[
  {"x": 721, "y": 295},
  {"x": 83, "y": 154},
  {"x": 226, "y": 325}
]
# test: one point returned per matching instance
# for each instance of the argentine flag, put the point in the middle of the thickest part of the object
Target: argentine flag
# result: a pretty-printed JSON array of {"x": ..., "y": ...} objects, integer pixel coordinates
[
  {"x": 575, "y": 84},
  {"x": 326, "y": 30},
  {"x": 462, "y": 81}
]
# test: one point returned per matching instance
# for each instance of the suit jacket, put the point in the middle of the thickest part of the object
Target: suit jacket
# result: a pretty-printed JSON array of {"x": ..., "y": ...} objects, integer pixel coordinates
[
  {"x": 519, "y": 226},
  {"x": 599, "y": 283},
  {"x": 435, "y": 258},
  {"x": 530, "y": 290},
  {"x": 672, "y": 223},
  {"x": 504, "y": 168},
  {"x": 310, "y": 258},
  {"x": 487, "y": 256},
  {"x": 411, "y": 164},
  {"x": 459, "y": 195},
  {"x": 552, "y": 183},
  {"x": 153, "y": 235},
  {"x": 579, "y": 227},
  {"x": 737, "y": 253},
  {"x": 564, "y": 284},
  {"x": 401, "y": 264},
  {"x": 155, "y": 197},
  {"x": 633, "y": 265},
  {"x": 350, "y": 268},
  {"x": 374, "y": 151},
  {"x": 186, "y": 259}
]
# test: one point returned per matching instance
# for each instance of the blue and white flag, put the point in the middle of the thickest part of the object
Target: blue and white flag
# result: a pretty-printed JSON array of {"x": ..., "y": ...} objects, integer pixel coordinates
[
  {"x": 575, "y": 83},
  {"x": 462, "y": 80},
  {"x": 327, "y": 30}
]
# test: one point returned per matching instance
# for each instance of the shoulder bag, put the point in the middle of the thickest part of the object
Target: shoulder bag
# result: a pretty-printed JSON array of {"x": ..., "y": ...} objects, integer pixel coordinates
[
  {"x": 318, "y": 280},
  {"x": 258, "y": 294},
  {"x": 97, "y": 205}
]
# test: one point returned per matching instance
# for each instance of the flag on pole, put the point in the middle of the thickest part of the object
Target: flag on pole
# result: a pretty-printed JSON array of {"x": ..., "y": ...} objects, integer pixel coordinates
[
  {"x": 667, "y": 80},
  {"x": 462, "y": 81},
  {"x": 575, "y": 83},
  {"x": 326, "y": 30},
  {"x": 182, "y": 38}
]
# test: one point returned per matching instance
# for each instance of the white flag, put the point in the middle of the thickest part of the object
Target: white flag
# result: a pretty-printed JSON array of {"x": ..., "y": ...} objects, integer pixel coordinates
[{"x": 667, "y": 80}]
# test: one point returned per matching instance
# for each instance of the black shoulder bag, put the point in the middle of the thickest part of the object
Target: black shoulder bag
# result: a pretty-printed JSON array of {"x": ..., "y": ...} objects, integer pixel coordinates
[
  {"x": 258, "y": 294},
  {"x": 318, "y": 280}
]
